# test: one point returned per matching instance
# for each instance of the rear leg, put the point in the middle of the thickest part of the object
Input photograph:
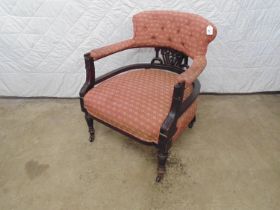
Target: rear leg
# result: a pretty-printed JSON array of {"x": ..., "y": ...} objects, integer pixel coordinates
[{"x": 192, "y": 122}]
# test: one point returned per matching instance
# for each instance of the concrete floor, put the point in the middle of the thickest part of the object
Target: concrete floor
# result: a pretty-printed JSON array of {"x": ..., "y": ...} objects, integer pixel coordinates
[{"x": 229, "y": 160}]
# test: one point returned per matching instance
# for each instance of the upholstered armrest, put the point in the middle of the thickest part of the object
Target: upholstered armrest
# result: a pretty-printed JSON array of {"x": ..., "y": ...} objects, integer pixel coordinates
[
  {"x": 190, "y": 75},
  {"x": 111, "y": 49}
]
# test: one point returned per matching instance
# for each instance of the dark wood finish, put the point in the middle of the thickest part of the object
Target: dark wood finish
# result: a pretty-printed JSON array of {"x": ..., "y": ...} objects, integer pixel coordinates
[
  {"x": 91, "y": 130},
  {"x": 189, "y": 100},
  {"x": 162, "y": 158},
  {"x": 138, "y": 66},
  {"x": 157, "y": 58},
  {"x": 165, "y": 59},
  {"x": 168, "y": 129},
  {"x": 170, "y": 57},
  {"x": 124, "y": 132},
  {"x": 90, "y": 78},
  {"x": 192, "y": 122}
]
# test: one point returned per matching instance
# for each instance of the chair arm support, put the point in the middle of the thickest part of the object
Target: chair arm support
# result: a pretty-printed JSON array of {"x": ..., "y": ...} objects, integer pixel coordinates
[
  {"x": 111, "y": 49},
  {"x": 90, "y": 75},
  {"x": 191, "y": 74},
  {"x": 191, "y": 98},
  {"x": 90, "y": 79},
  {"x": 178, "y": 107},
  {"x": 97, "y": 54},
  {"x": 168, "y": 127}
]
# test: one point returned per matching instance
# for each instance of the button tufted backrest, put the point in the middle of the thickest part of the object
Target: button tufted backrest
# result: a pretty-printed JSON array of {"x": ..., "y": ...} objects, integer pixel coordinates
[{"x": 184, "y": 32}]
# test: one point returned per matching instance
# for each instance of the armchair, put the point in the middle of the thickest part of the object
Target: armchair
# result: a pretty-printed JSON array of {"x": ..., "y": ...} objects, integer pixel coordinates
[{"x": 151, "y": 102}]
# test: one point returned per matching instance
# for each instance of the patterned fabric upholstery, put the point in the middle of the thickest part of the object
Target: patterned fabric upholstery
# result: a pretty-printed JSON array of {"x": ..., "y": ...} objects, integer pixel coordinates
[
  {"x": 137, "y": 102},
  {"x": 184, "y": 32},
  {"x": 195, "y": 69},
  {"x": 185, "y": 119},
  {"x": 110, "y": 49}
]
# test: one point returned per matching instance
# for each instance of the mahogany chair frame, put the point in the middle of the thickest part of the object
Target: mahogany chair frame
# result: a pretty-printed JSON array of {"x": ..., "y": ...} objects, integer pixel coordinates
[{"x": 166, "y": 59}]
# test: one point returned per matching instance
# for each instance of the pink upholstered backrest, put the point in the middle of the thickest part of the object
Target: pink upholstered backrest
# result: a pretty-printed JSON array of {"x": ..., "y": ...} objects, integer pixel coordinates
[{"x": 184, "y": 32}]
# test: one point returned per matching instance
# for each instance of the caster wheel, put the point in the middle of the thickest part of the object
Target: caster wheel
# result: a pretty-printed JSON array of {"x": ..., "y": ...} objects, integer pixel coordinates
[
  {"x": 159, "y": 178},
  {"x": 91, "y": 136},
  {"x": 192, "y": 122},
  {"x": 191, "y": 125}
]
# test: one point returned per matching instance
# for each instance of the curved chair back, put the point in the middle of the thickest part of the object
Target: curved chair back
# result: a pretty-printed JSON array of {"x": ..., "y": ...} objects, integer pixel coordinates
[{"x": 184, "y": 32}]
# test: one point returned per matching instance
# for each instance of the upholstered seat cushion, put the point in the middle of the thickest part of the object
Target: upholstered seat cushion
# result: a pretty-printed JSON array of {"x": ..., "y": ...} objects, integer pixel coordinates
[{"x": 136, "y": 101}]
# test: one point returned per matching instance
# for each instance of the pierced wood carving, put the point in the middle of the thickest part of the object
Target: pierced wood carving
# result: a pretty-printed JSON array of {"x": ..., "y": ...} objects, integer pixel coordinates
[{"x": 170, "y": 57}]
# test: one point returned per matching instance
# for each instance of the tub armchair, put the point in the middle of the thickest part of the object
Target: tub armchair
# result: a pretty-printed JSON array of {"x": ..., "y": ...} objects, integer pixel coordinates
[{"x": 151, "y": 102}]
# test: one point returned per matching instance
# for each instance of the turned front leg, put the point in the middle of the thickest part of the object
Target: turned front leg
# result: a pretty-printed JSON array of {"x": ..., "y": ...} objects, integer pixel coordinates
[
  {"x": 91, "y": 130},
  {"x": 162, "y": 155},
  {"x": 162, "y": 158}
]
